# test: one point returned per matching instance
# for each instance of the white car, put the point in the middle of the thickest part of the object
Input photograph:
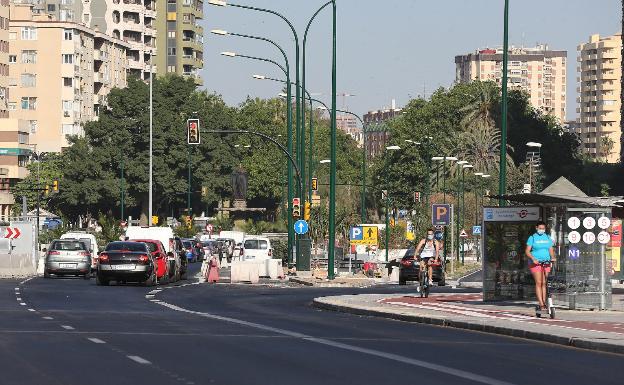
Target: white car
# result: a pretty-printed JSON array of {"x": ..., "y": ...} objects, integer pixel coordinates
[{"x": 258, "y": 248}]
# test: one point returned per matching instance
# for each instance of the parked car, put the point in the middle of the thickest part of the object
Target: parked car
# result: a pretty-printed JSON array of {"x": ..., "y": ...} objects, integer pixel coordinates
[
  {"x": 89, "y": 240},
  {"x": 160, "y": 256},
  {"x": 258, "y": 248},
  {"x": 126, "y": 261},
  {"x": 68, "y": 257},
  {"x": 181, "y": 253},
  {"x": 410, "y": 268},
  {"x": 171, "y": 243}
]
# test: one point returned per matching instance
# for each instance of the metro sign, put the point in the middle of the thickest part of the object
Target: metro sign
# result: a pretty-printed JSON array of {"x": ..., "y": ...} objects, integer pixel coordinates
[{"x": 12, "y": 233}]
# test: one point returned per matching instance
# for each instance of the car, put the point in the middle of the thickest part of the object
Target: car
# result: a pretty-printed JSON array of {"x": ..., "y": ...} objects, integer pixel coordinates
[
  {"x": 126, "y": 261},
  {"x": 160, "y": 255},
  {"x": 409, "y": 268},
  {"x": 68, "y": 257},
  {"x": 90, "y": 241},
  {"x": 171, "y": 243},
  {"x": 190, "y": 251},
  {"x": 180, "y": 252},
  {"x": 258, "y": 248}
]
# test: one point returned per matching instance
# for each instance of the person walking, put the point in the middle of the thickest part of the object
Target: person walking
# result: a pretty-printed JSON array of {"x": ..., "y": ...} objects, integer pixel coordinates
[
  {"x": 212, "y": 272},
  {"x": 540, "y": 252}
]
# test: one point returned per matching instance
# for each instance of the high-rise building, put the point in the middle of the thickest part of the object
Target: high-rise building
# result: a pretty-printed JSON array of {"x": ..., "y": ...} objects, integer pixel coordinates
[
  {"x": 133, "y": 21},
  {"x": 180, "y": 38},
  {"x": 376, "y": 130},
  {"x": 60, "y": 74},
  {"x": 4, "y": 59},
  {"x": 539, "y": 71},
  {"x": 14, "y": 154},
  {"x": 349, "y": 124},
  {"x": 599, "y": 76}
]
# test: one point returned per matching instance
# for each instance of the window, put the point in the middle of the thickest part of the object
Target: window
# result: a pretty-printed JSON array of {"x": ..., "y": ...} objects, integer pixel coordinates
[
  {"x": 66, "y": 15},
  {"x": 22, "y": 138},
  {"x": 171, "y": 34},
  {"x": 29, "y": 103},
  {"x": 171, "y": 69},
  {"x": 12, "y": 106},
  {"x": 171, "y": 51},
  {"x": 68, "y": 58},
  {"x": 12, "y": 59},
  {"x": 67, "y": 129},
  {"x": 33, "y": 126},
  {"x": 29, "y": 80},
  {"x": 68, "y": 34},
  {"x": 68, "y": 82},
  {"x": 22, "y": 160},
  {"x": 29, "y": 33},
  {"x": 29, "y": 57}
]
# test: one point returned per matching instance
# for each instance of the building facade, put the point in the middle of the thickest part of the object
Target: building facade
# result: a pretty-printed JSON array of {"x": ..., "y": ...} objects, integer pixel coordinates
[
  {"x": 599, "y": 77},
  {"x": 376, "y": 130},
  {"x": 539, "y": 71},
  {"x": 133, "y": 21},
  {"x": 180, "y": 38},
  {"x": 15, "y": 152},
  {"x": 349, "y": 124},
  {"x": 60, "y": 73},
  {"x": 4, "y": 59}
]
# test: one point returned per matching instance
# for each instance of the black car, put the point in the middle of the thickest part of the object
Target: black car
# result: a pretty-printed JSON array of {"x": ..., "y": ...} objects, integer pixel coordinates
[
  {"x": 410, "y": 268},
  {"x": 126, "y": 261},
  {"x": 179, "y": 248}
]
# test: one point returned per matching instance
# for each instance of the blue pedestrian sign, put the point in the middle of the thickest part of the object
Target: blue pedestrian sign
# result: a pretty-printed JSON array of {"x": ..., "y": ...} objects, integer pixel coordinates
[
  {"x": 301, "y": 227},
  {"x": 476, "y": 230},
  {"x": 574, "y": 253}
]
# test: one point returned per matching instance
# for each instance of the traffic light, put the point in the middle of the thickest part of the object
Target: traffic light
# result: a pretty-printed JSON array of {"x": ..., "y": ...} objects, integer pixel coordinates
[
  {"x": 188, "y": 221},
  {"x": 204, "y": 191},
  {"x": 154, "y": 219},
  {"x": 47, "y": 189},
  {"x": 306, "y": 211},
  {"x": 55, "y": 185},
  {"x": 315, "y": 184},
  {"x": 296, "y": 208},
  {"x": 192, "y": 127}
]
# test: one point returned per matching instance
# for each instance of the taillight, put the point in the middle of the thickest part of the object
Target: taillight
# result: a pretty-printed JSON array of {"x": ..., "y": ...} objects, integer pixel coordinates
[
  {"x": 143, "y": 258},
  {"x": 84, "y": 254},
  {"x": 406, "y": 262},
  {"x": 54, "y": 252},
  {"x": 103, "y": 257},
  {"x": 270, "y": 253}
]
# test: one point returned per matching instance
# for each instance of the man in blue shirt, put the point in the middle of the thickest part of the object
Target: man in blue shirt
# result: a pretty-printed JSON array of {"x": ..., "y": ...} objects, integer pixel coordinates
[{"x": 540, "y": 250}]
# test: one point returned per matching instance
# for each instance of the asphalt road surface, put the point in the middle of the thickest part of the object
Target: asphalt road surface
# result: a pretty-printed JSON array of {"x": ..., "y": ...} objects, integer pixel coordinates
[{"x": 70, "y": 331}]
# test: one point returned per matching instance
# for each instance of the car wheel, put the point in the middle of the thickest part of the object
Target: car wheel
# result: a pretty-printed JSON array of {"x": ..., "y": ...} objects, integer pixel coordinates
[
  {"x": 442, "y": 281},
  {"x": 151, "y": 281},
  {"x": 86, "y": 276},
  {"x": 46, "y": 273},
  {"x": 101, "y": 281}
]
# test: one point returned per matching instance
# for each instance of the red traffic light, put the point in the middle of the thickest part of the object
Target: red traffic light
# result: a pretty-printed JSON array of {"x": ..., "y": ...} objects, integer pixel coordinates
[{"x": 192, "y": 126}]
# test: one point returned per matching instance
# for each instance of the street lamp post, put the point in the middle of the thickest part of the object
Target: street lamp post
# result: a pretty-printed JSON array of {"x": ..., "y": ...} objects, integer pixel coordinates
[
  {"x": 458, "y": 215},
  {"x": 531, "y": 159},
  {"x": 463, "y": 201},
  {"x": 389, "y": 148},
  {"x": 332, "y": 174},
  {"x": 502, "y": 181}
]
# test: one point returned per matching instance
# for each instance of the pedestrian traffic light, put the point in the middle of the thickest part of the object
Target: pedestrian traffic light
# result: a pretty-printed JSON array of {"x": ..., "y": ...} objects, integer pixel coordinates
[
  {"x": 192, "y": 126},
  {"x": 296, "y": 207},
  {"x": 55, "y": 185},
  {"x": 315, "y": 184},
  {"x": 306, "y": 211}
]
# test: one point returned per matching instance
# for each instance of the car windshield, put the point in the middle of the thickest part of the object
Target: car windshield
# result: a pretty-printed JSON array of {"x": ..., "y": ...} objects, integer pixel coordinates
[
  {"x": 151, "y": 246},
  {"x": 409, "y": 254},
  {"x": 68, "y": 246},
  {"x": 126, "y": 246},
  {"x": 187, "y": 244},
  {"x": 256, "y": 244}
]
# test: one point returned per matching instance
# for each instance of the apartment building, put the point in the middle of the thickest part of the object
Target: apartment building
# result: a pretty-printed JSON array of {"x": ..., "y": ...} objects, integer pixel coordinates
[
  {"x": 539, "y": 71},
  {"x": 132, "y": 21},
  {"x": 14, "y": 154},
  {"x": 599, "y": 77},
  {"x": 4, "y": 59},
  {"x": 349, "y": 124},
  {"x": 60, "y": 73},
  {"x": 180, "y": 38},
  {"x": 376, "y": 130}
]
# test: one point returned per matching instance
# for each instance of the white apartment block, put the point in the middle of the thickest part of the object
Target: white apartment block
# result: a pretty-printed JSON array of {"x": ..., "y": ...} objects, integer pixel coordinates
[
  {"x": 539, "y": 71},
  {"x": 599, "y": 77}
]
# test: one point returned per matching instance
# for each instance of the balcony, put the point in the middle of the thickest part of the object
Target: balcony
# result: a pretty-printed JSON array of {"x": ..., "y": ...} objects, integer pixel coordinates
[{"x": 134, "y": 64}]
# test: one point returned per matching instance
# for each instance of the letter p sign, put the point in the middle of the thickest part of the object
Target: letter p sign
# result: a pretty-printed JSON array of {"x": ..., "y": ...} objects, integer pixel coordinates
[{"x": 441, "y": 214}]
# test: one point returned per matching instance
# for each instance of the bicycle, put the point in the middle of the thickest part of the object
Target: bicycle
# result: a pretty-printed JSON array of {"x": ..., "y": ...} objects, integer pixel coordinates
[
  {"x": 423, "y": 281},
  {"x": 550, "y": 307}
]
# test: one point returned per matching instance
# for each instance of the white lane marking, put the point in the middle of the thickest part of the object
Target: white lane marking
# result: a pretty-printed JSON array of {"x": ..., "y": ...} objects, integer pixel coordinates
[
  {"x": 26, "y": 280},
  {"x": 19, "y": 298},
  {"x": 48, "y": 318},
  {"x": 394, "y": 357},
  {"x": 149, "y": 296},
  {"x": 17, "y": 289},
  {"x": 96, "y": 340},
  {"x": 67, "y": 327},
  {"x": 22, "y": 303},
  {"x": 154, "y": 292},
  {"x": 154, "y": 300},
  {"x": 139, "y": 360},
  {"x": 31, "y": 309}
]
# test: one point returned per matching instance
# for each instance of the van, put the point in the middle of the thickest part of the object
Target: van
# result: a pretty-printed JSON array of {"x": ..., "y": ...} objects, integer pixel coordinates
[
  {"x": 89, "y": 240},
  {"x": 256, "y": 248},
  {"x": 173, "y": 246}
]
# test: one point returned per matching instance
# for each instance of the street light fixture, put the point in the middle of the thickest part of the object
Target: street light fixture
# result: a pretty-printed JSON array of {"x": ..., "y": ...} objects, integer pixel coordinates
[
  {"x": 393, "y": 148},
  {"x": 219, "y": 32},
  {"x": 325, "y": 161},
  {"x": 229, "y": 54}
]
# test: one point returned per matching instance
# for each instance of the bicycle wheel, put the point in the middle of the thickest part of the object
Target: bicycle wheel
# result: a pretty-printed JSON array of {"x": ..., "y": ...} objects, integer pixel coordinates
[{"x": 422, "y": 284}]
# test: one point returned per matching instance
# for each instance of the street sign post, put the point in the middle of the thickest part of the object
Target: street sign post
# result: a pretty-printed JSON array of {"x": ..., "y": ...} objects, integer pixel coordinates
[
  {"x": 463, "y": 234},
  {"x": 301, "y": 227},
  {"x": 476, "y": 230},
  {"x": 441, "y": 214}
]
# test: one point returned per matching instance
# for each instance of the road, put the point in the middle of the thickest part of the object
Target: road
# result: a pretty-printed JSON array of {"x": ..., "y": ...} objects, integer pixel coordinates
[{"x": 70, "y": 331}]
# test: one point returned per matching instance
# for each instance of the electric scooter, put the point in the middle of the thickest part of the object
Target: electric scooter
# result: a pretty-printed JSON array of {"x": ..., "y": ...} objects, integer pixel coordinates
[{"x": 550, "y": 307}]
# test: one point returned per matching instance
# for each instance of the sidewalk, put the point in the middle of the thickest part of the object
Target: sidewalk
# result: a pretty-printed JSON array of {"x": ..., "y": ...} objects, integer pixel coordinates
[{"x": 602, "y": 331}]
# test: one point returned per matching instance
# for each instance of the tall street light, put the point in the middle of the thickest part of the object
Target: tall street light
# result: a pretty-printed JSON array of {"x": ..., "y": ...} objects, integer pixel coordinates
[
  {"x": 462, "y": 202},
  {"x": 531, "y": 156},
  {"x": 458, "y": 223},
  {"x": 388, "y": 148},
  {"x": 286, "y": 71},
  {"x": 502, "y": 180},
  {"x": 332, "y": 174},
  {"x": 150, "y": 198}
]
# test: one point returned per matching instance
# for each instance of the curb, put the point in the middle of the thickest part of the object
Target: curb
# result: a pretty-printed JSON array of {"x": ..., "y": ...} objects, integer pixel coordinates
[
  {"x": 580, "y": 343},
  {"x": 300, "y": 281}
]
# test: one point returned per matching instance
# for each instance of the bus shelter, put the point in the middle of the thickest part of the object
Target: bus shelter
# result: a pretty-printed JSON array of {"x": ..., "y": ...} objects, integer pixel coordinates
[{"x": 585, "y": 235}]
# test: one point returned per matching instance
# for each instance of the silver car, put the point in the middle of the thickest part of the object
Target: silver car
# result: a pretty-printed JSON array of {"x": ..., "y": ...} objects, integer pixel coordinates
[{"x": 68, "y": 257}]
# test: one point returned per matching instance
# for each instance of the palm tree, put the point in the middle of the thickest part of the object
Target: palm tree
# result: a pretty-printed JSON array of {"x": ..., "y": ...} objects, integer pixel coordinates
[
  {"x": 479, "y": 113},
  {"x": 482, "y": 147}
]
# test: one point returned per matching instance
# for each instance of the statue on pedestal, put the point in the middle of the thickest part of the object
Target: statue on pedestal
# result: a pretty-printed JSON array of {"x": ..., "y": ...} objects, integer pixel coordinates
[{"x": 239, "y": 186}]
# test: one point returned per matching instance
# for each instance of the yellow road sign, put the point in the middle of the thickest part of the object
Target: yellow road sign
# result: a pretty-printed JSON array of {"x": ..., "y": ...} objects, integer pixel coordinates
[{"x": 364, "y": 235}]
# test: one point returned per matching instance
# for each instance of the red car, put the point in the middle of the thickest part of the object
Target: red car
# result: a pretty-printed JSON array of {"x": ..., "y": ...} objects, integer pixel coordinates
[{"x": 160, "y": 256}]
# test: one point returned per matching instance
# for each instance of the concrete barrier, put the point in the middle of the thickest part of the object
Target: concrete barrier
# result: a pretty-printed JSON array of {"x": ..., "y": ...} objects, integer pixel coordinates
[
  {"x": 18, "y": 257},
  {"x": 245, "y": 272}
]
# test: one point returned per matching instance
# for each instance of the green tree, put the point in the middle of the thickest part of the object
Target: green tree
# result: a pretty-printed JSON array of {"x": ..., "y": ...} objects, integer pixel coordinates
[{"x": 40, "y": 174}]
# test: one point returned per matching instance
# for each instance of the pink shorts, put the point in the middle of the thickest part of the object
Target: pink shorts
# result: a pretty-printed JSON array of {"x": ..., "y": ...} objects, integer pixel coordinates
[{"x": 537, "y": 268}]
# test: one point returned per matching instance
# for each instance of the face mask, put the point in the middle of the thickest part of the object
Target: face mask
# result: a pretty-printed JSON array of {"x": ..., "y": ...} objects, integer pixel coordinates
[
  {"x": 429, "y": 236},
  {"x": 541, "y": 232}
]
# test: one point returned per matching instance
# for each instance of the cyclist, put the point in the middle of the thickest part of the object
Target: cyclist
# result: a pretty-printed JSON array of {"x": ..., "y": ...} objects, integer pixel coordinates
[
  {"x": 428, "y": 252},
  {"x": 540, "y": 250}
]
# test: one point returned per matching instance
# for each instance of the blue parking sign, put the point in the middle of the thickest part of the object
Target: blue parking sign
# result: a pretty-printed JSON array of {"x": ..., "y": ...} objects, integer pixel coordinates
[
  {"x": 441, "y": 214},
  {"x": 356, "y": 233}
]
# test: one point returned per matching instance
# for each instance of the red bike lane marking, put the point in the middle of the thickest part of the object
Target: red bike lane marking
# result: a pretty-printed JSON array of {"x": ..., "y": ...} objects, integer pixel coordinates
[{"x": 445, "y": 304}]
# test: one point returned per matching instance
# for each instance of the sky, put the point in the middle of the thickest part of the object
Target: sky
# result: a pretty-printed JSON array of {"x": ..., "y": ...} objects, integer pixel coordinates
[{"x": 388, "y": 49}]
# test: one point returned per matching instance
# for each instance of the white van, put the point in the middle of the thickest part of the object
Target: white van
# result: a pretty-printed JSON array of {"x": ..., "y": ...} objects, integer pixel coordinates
[
  {"x": 256, "y": 248},
  {"x": 163, "y": 234},
  {"x": 89, "y": 240}
]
